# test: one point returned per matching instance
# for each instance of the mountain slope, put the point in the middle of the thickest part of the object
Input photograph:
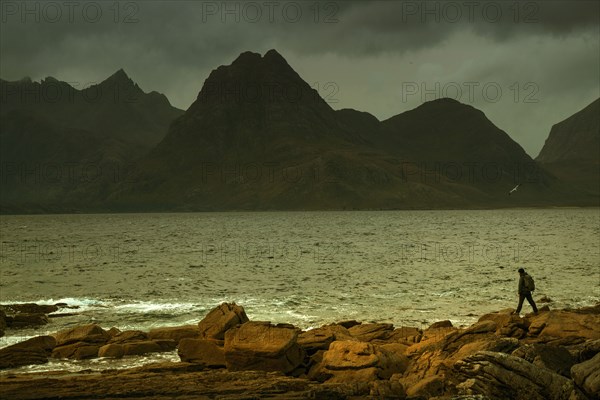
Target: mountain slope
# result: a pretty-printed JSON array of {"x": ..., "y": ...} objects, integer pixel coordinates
[
  {"x": 572, "y": 150},
  {"x": 63, "y": 147}
]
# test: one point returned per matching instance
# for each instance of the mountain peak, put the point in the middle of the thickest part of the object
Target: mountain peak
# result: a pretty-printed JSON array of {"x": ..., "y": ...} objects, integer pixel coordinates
[{"x": 119, "y": 77}]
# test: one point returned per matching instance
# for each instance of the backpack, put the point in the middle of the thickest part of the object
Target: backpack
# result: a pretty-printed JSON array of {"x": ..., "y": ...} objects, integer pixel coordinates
[{"x": 529, "y": 283}]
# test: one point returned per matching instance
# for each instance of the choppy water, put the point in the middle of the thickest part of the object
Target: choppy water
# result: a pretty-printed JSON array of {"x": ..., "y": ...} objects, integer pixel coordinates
[{"x": 140, "y": 271}]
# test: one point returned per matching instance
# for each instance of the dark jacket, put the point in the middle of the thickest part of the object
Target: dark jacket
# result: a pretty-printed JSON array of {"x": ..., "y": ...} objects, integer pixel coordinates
[{"x": 522, "y": 288}]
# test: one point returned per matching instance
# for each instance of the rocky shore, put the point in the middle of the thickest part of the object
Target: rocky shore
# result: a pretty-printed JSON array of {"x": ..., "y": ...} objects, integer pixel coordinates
[{"x": 553, "y": 355}]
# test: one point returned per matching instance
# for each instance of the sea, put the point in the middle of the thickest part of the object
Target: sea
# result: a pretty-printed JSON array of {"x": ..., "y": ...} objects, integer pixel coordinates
[{"x": 409, "y": 268}]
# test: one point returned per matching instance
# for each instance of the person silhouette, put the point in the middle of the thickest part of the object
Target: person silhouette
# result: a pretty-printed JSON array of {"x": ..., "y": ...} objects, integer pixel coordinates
[{"x": 525, "y": 292}]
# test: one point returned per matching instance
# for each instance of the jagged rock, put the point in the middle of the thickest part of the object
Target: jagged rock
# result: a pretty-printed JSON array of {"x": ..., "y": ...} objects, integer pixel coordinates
[
  {"x": 91, "y": 333},
  {"x": 262, "y": 346},
  {"x": 32, "y": 351},
  {"x": 320, "y": 338},
  {"x": 112, "y": 332},
  {"x": 554, "y": 358},
  {"x": 221, "y": 319},
  {"x": 587, "y": 376},
  {"x": 175, "y": 333},
  {"x": 502, "y": 376},
  {"x": 369, "y": 332},
  {"x": 202, "y": 351}
]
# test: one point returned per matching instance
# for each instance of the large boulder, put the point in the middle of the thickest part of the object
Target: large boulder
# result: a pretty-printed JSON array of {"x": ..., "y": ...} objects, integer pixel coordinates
[
  {"x": 175, "y": 333},
  {"x": 90, "y": 333},
  {"x": 587, "y": 376},
  {"x": 128, "y": 336},
  {"x": 320, "y": 338},
  {"x": 264, "y": 347},
  {"x": 131, "y": 348},
  {"x": 80, "y": 342},
  {"x": 202, "y": 351},
  {"x": 506, "y": 377},
  {"x": 350, "y": 361},
  {"x": 220, "y": 320},
  {"x": 32, "y": 351}
]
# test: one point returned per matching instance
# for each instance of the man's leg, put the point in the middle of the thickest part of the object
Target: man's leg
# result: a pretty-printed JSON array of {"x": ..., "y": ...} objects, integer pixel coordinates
[
  {"x": 521, "y": 299},
  {"x": 530, "y": 300}
]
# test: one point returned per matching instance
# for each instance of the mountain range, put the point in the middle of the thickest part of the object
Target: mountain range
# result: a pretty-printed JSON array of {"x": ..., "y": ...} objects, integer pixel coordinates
[{"x": 258, "y": 137}]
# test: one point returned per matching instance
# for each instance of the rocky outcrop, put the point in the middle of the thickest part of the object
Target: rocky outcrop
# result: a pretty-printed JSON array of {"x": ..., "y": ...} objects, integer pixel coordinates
[
  {"x": 221, "y": 319},
  {"x": 33, "y": 351},
  {"x": 264, "y": 347},
  {"x": 502, "y": 356}
]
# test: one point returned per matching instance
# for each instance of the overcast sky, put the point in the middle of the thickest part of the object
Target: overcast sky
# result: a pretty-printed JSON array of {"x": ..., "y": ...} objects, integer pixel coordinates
[{"x": 527, "y": 65}]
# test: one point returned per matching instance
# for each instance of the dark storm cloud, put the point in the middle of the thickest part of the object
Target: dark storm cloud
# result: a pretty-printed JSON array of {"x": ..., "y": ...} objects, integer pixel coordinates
[{"x": 370, "y": 48}]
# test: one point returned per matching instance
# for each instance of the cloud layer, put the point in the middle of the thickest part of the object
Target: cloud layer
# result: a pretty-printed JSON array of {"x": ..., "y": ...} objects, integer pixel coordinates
[{"x": 527, "y": 65}]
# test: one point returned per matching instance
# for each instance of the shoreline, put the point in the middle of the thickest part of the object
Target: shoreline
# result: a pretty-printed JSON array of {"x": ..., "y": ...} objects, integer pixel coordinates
[{"x": 502, "y": 356}]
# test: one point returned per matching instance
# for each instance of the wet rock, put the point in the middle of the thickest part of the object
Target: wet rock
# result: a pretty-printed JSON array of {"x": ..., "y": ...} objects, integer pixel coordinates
[
  {"x": 264, "y": 347},
  {"x": 175, "y": 333},
  {"x": 27, "y": 320},
  {"x": 28, "y": 308},
  {"x": 587, "y": 376},
  {"x": 221, "y": 319},
  {"x": 77, "y": 350},
  {"x": 32, "y": 351},
  {"x": 202, "y": 351},
  {"x": 554, "y": 358},
  {"x": 502, "y": 376}
]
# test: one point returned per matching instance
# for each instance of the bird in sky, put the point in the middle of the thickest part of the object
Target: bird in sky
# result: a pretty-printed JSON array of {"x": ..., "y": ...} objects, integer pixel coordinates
[{"x": 514, "y": 189}]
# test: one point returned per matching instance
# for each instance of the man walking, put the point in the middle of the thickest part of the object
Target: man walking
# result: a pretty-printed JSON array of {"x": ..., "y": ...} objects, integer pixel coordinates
[{"x": 526, "y": 286}]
